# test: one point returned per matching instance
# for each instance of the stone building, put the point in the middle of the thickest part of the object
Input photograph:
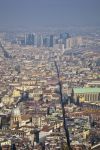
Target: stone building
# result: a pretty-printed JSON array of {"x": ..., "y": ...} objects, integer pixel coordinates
[{"x": 87, "y": 94}]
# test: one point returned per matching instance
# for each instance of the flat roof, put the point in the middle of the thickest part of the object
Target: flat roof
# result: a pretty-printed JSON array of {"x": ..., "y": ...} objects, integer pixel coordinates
[{"x": 86, "y": 90}]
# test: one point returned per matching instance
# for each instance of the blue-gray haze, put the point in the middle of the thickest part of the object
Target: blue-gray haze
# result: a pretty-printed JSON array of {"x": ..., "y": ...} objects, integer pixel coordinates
[{"x": 49, "y": 13}]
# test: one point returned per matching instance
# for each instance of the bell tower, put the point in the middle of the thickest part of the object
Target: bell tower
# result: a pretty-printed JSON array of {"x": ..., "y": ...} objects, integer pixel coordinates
[{"x": 15, "y": 117}]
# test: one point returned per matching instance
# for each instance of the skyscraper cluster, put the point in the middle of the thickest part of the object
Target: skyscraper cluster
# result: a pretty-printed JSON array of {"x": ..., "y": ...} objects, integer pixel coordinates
[{"x": 41, "y": 40}]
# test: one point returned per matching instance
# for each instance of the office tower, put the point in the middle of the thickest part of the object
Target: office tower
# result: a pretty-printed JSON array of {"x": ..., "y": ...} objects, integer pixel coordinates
[
  {"x": 74, "y": 42},
  {"x": 79, "y": 41},
  {"x": 51, "y": 40},
  {"x": 71, "y": 43},
  {"x": 46, "y": 41},
  {"x": 39, "y": 41},
  {"x": 20, "y": 39},
  {"x": 35, "y": 40},
  {"x": 55, "y": 40},
  {"x": 60, "y": 41},
  {"x": 63, "y": 37},
  {"x": 22, "y": 42},
  {"x": 29, "y": 39}
]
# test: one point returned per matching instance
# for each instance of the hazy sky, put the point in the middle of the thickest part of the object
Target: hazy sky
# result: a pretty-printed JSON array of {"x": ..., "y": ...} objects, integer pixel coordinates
[{"x": 46, "y": 13}]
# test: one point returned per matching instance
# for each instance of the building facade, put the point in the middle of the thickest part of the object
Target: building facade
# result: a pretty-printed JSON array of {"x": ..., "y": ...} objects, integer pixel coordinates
[{"x": 87, "y": 94}]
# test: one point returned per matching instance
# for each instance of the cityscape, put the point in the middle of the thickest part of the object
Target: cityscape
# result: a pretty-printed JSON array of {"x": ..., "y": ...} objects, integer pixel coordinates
[{"x": 50, "y": 88}]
